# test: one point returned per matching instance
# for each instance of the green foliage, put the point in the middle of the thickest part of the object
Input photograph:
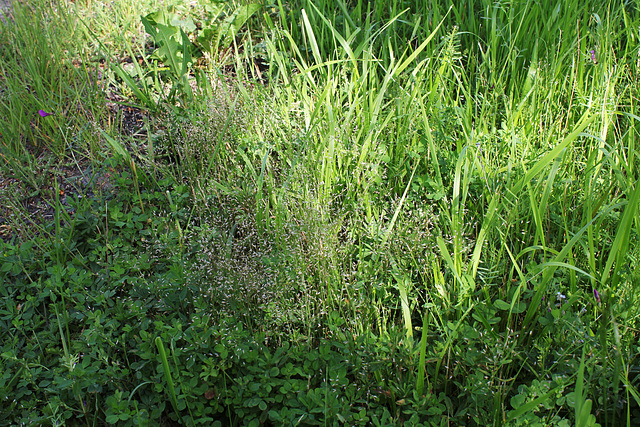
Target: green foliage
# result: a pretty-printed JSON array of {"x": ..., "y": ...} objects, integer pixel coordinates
[
  {"x": 36, "y": 74},
  {"x": 223, "y": 26},
  {"x": 179, "y": 41},
  {"x": 173, "y": 47},
  {"x": 347, "y": 212}
]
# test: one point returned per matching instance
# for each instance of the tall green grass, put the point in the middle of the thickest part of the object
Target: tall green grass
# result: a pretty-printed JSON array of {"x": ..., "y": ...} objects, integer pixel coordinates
[
  {"x": 514, "y": 126},
  {"x": 458, "y": 179}
]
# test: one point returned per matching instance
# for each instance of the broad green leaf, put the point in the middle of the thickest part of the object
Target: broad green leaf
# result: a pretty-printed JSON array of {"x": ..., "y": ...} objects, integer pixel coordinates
[
  {"x": 169, "y": 48},
  {"x": 220, "y": 35},
  {"x": 502, "y": 305}
]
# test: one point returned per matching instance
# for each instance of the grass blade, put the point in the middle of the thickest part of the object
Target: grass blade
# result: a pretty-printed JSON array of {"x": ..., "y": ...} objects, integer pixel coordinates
[{"x": 167, "y": 375}]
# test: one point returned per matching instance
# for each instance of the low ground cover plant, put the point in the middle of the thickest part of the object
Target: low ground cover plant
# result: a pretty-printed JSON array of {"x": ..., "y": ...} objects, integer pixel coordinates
[{"x": 314, "y": 213}]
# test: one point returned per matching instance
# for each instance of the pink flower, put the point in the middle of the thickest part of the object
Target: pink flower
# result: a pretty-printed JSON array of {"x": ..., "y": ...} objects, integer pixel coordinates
[{"x": 44, "y": 113}]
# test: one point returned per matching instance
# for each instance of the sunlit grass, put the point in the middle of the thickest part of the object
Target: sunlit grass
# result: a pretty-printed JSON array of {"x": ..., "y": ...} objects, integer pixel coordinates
[{"x": 458, "y": 183}]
